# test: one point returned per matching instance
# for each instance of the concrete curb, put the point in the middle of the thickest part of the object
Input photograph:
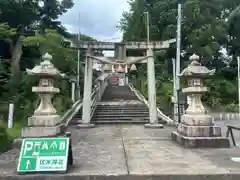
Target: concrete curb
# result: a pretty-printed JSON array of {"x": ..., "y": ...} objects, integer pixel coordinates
[{"x": 123, "y": 177}]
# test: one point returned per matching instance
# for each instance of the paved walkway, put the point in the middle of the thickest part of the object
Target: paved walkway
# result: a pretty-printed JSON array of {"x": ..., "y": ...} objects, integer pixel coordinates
[{"x": 129, "y": 151}]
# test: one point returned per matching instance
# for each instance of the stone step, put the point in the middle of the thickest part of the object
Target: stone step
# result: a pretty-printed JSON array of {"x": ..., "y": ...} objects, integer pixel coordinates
[
  {"x": 120, "y": 108},
  {"x": 120, "y": 103},
  {"x": 121, "y": 112},
  {"x": 118, "y": 111},
  {"x": 119, "y": 115},
  {"x": 110, "y": 121},
  {"x": 118, "y": 92},
  {"x": 120, "y": 118},
  {"x": 113, "y": 121},
  {"x": 120, "y": 122},
  {"x": 98, "y": 115}
]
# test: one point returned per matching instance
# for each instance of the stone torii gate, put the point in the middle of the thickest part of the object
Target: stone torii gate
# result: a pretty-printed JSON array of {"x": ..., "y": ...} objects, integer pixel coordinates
[{"x": 120, "y": 59}]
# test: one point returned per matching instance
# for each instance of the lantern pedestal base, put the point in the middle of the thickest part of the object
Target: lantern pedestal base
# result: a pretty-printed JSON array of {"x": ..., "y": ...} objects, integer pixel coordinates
[
  {"x": 42, "y": 131},
  {"x": 197, "y": 119},
  {"x": 200, "y": 142},
  {"x": 199, "y": 131},
  {"x": 44, "y": 120}
]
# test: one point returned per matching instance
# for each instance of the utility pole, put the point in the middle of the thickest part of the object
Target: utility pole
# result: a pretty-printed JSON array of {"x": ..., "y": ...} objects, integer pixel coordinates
[
  {"x": 147, "y": 24},
  {"x": 174, "y": 79},
  {"x": 178, "y": 59},
  {"x": 238, "y": 59},
  {"x": 146, "y": 14},
  {"x": 78, "y": 63}
]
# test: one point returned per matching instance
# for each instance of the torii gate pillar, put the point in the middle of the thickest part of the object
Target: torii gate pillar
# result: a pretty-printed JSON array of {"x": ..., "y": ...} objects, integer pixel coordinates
[
  {"x": 153, "y": 123},
  {"x": 86, "y": 116}
]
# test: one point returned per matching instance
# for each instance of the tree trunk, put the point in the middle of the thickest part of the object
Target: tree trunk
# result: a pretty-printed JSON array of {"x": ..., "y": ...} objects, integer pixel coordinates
[{"x": 16, "y": 56}]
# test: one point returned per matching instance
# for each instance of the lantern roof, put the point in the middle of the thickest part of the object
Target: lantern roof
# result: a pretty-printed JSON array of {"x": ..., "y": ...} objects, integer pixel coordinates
[
  {"x": 196, "y": 69},
  {"x": 46, "y": 68}
]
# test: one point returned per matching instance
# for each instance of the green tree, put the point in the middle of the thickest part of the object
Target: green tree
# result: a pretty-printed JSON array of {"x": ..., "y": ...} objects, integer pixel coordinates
[
  {"x": 205, "y": 31},
  {"x": 5, "y": 31},
  {"x": 25, "y": 16}
]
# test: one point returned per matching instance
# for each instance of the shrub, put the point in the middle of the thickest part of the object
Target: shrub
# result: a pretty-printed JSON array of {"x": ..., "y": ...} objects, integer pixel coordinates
[{"x": 4, "y": 139}]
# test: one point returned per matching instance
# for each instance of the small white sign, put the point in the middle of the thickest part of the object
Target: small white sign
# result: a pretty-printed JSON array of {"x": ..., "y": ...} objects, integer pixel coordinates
[
  {"x": 10, "y": 115},
  {"x": 49, "y": 163},
  {"x": 121, "y": 82}
]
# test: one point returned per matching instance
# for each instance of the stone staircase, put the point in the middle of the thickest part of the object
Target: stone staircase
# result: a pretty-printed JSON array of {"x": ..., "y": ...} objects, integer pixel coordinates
[
  {"x": 118, "y": 93},
  {"x": 119, "y": 105},
  {"x": 122, "y": 113}
]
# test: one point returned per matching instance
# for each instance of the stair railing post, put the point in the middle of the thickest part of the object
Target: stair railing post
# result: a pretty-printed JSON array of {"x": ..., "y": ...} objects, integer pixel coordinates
[
  {"x": 152, "y": 92},
  {"x": 99, "y": 90},
  {"x": 86, "y": 116}
]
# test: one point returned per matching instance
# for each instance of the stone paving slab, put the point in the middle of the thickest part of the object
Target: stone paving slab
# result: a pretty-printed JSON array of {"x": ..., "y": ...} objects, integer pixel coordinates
[
  {"x": 164, "y": 157},
  {"x": 99, "y": 151},
  {"x": 133, "y": 152},
  {"x": 152, "y": 152},
  {"x": 130, "y": 132},
  {"x": 222, "y": 158}
]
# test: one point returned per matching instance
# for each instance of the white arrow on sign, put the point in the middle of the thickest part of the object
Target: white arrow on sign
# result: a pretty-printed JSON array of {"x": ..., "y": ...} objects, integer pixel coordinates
[{"x": 27, "y": 164}]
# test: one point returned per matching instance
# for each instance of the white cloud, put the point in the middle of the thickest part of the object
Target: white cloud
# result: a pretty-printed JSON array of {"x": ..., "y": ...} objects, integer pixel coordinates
[{"x": 97, "y": 18}]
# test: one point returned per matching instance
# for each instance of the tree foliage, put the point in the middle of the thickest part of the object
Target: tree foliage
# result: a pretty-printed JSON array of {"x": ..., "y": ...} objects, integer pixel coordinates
[
  {"x": 26, "y": 16},
  {"x": 6, "y": 32},
  {"x": 208, "y": 28},
  {"x": 28, "y": 29}
]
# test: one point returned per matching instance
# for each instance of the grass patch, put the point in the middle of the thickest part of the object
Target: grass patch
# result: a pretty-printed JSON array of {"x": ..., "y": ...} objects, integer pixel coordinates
[
  {"x": 15, "y": 132},
  {"x": 8, "y": 135}
]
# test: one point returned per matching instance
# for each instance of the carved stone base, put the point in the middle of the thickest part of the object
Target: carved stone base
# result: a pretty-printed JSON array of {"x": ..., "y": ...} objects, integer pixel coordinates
[
  {"x": 17, "y": 143},
  {"x": 153, "y": 126},
  {"x": 200, "y": 142},
  {"x": 44, "y": 120},
  {"x": 30, "y": 132},
  {"x": 199, "y": 131},
  {"x": 197, "y": 120}
]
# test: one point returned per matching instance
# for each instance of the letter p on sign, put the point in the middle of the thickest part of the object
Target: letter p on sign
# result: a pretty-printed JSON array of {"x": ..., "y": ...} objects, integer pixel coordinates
[{"x": 28, "y": 147}]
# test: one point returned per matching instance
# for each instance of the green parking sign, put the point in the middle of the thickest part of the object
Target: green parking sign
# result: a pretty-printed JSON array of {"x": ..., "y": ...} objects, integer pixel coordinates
[{"x": 44, "y": 154}]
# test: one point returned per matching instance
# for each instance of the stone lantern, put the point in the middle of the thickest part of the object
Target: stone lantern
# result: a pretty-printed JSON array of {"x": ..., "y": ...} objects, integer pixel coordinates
[
  {"x": 45, "y": 122},
  {"x": 120, "y": 69},
  {"x": 133, "y": 67},
  {"x": 107, "y": 68},
  {"x": 197, "y": 128}
]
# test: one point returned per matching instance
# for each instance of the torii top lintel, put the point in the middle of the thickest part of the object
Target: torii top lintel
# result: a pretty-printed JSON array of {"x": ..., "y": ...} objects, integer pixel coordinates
[{"x": 83, "y": 45}]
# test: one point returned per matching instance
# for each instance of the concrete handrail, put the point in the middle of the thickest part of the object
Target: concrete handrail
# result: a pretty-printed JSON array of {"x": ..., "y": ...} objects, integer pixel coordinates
[
  {"x": 95, "y": 96},
  {"x": 67, "y": 117},
  {"x": 159, "y": 112},
  {"x": 94, "y": 99}
]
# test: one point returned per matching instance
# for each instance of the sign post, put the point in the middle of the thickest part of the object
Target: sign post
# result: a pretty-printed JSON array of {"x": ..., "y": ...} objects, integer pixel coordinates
[
  {"x": 10, "y": 115},
  {"x": 45, "y": 155}
]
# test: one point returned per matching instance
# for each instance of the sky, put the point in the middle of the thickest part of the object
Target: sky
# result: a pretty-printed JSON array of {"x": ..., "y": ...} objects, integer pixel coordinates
[{"x": 98, "y": 18}]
